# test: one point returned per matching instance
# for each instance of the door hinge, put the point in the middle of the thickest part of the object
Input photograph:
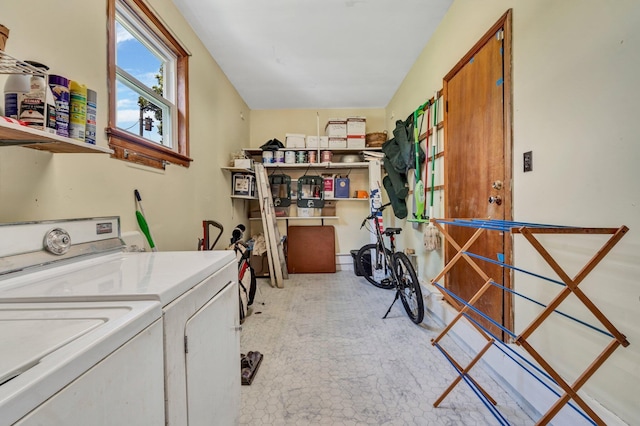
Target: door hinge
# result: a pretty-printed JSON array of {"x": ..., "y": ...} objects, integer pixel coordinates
[
  {"x": 186, "y": 345},
  {"x": 500, "y": 35}
]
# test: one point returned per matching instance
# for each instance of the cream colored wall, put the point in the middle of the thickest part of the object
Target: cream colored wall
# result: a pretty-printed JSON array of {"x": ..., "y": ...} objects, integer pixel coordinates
[
  {"x": 70, "y": 37},
  {"x": 269, "y": 124},
  {"x": 575, "y": 91}
]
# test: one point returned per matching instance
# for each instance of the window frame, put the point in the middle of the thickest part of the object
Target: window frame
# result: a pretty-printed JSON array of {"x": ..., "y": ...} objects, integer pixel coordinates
[{"x": 127, "y": 146}]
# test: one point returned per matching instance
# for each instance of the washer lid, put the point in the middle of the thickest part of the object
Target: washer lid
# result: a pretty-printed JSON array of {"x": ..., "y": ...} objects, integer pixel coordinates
[
  {"x": 31, "y": 339},
  {"x": 45, "y": 346}
]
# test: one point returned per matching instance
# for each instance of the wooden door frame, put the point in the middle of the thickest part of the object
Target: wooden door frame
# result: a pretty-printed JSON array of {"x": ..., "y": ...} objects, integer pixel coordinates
[{"x": 504, "y": 22}]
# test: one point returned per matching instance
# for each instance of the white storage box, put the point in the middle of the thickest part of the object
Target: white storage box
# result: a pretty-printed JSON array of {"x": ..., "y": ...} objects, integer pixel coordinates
[
  {"x": 356, "y": 126},
  {"x": 356, "y": 142},
  {"x": 336, "y": 127},
  {"x": 312, "y": 142},
  {"x": 337, "y": 142},
  {"x": 242, "y": 163},
  {"x": 294, "y": 140}
]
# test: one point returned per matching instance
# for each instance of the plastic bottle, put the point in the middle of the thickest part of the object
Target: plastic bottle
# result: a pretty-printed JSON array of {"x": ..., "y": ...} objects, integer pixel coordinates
[
  {"x": 90, "y": 130},
  {"x": 60, "y": 88},
  {"x": 77, "y": 111},
  {"x": 15, "y": 86},
  {"x": 36, "y": 108}
]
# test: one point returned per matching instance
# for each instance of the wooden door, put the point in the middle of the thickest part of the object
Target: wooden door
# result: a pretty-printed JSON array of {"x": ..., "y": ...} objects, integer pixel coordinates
[{"x": 477, "y": 121}]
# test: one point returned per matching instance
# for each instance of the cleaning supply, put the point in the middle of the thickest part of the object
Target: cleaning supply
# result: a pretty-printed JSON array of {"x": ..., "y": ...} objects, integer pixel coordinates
[
  {"x": 77, "y": 110},
  {"x": 60, "y": 89},
  {"x": 431, "y": 236},
  {"x": 15, "y": 86},
  {"x": 37, "y": 108},
  {"x": 90, "y": 129}
]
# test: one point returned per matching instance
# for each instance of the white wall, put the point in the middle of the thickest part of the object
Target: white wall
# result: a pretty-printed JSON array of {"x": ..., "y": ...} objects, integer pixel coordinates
[
  {"x": 70, "y": 37},
  {"x": 575, "y": 91}
]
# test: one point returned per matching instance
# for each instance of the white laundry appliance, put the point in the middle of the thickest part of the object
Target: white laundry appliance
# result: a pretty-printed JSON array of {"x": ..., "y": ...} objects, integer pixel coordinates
[{"x": 197, "y": 293}]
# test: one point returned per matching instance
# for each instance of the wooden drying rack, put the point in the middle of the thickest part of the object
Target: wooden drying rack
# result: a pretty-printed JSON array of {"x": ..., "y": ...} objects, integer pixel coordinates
[{"x": 528, "y": 231}]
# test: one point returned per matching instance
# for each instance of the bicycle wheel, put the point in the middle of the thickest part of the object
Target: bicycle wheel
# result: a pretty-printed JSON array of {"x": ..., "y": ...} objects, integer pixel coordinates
[
  {"x": 409, "y": 287},
  {"x": 372, "y": 265}
]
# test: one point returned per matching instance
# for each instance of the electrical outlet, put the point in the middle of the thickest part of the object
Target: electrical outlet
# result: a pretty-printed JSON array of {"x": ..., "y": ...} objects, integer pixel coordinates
[{"x": 527, "y": 160}]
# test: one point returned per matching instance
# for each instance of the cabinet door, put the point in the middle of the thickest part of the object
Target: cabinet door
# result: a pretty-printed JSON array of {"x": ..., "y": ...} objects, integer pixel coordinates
[{"x": 212, "y": 340}]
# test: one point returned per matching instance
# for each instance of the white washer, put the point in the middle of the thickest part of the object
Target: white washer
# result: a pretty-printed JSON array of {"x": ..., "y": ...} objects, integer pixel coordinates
[
  {"x": 81, "y": 363},
  {"x": 198, "y": 295}
]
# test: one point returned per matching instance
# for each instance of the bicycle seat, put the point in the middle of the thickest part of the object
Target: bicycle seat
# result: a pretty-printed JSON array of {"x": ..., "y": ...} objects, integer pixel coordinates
[{"x": 391, "y": 231}]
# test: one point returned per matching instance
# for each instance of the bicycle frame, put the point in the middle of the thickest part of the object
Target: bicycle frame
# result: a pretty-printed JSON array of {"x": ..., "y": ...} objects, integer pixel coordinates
[{"x": 381, "y": 247}]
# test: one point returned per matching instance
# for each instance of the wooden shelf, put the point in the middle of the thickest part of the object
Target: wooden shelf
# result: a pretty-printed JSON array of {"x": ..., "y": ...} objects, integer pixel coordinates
[{"x": 12, "y": 134}]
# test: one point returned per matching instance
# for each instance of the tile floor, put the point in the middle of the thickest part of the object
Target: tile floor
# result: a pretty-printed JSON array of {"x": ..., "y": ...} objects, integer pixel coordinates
[{"x": 330, "y": 359}]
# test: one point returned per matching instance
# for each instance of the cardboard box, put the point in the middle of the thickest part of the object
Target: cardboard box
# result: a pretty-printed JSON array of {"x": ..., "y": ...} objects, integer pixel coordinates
[
  {"x": 336, "y": 127},
  {"x": 356, "y": 126},
  {"x": 295, "y": 140},
  {"x": 329, "y": 208},
  {"x": 260, "y": 265},
  {"x": 328, "y": 186},
  {"x": 337, "y": 142},
  {"x": 312, "y": 142},
  {"x": 358, "y": 142},
  {"x": 342, "y": 187}
]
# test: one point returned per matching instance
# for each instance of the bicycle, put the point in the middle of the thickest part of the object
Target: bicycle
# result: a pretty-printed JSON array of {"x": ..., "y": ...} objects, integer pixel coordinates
[{"x": 385, "y": 268}]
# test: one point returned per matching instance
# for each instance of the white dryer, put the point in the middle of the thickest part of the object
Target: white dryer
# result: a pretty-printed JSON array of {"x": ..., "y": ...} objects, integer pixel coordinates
[{"x": 197, "y": 292}]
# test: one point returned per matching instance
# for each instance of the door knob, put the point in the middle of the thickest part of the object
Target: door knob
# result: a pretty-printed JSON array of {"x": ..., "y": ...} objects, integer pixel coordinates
[{"x": 495, "y": 199}]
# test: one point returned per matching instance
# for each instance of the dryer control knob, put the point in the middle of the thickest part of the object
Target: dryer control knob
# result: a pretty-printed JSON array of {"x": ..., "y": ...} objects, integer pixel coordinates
[{"x": 57, "y": 241}]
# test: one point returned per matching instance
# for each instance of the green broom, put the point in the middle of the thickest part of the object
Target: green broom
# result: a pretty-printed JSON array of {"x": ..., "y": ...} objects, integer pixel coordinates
[{"x": 431, "y": 233}]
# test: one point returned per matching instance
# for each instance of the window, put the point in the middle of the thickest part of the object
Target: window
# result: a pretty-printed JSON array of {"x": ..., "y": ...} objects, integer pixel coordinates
[{"x": 148, "y": 87}]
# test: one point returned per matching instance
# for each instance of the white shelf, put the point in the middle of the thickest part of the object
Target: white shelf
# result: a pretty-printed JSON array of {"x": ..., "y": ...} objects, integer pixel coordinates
[
  {"x": 12, "y": 134},
  {"x": 300, "y": 218},
  {"x": 359, "y": 165},
  {"x": 238, "y": 169},
  {"x": 244, "y": 197},
  {"x": 258, "y": 151}
]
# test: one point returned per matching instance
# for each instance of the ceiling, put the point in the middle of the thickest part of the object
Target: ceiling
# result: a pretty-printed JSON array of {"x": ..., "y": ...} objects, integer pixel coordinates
[{"x": 315, "y": 54}]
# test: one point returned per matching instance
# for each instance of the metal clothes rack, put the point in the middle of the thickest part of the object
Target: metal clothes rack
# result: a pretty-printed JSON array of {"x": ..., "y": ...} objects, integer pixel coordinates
[{"x": 541, "y": 369}]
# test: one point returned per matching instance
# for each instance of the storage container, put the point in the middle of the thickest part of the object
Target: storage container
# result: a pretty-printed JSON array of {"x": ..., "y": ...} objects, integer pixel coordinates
[
  {"x": 312, "y": 142},
  {"x": 337, "y": 143},
  {"x": 356, "y": 126},
  {"x": 336, "y": 127},
  {"x": 342, "y": 187},
  {"x": 356, "y": 142},
  {"x": 295, "y": 140},
  {"x": 243, "y": 184}
]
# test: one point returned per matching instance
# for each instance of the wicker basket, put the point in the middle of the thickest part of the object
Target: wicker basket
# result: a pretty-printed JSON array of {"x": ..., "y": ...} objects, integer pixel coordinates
[
  {"x": 4, "y": 35},
  {"x": 376, "y": 139}
]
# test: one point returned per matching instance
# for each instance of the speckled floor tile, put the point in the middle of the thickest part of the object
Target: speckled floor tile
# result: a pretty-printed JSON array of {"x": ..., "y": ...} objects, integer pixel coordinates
[{"x": 330, "y": 359}]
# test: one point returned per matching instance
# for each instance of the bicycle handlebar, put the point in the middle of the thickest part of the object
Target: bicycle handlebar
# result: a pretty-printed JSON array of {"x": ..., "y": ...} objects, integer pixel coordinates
[{"x": 374, "y": 213}]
